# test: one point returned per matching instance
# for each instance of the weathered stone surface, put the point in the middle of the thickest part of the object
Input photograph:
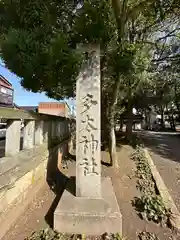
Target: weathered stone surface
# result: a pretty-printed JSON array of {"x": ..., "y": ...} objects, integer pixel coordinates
[
  {"x": 19, "y": 172},
  {"x": 13, "y": 137},
  {"x": 15, "y": 167},
  {"x": 39, "y": 132},
  {"x": 46, "y": 132},
  {"x": 93, "y": 209},
  {"x": 53, "y": 125},
  {"x": 89, "y": 216},
  {"x": 29, "y": 135},
  {"x": 88, "y": 145},
  {"x": 16, "y": 210}
]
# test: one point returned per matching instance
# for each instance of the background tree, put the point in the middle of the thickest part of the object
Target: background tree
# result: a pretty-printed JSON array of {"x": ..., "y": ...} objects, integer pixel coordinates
[{"x": 39, "y": 40}]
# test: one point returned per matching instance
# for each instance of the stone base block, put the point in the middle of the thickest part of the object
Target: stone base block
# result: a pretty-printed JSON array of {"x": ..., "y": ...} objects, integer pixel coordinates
[{"x": 75, "y": 215}]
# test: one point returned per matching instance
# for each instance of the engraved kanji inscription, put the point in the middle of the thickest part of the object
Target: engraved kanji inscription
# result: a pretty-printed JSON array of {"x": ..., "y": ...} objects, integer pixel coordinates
[
  {"x": 88, "y": 101},
  {"x": 89, "y": 167},
  {"x": 92, "y": 144},
  {"x": 88, "y": 124}
]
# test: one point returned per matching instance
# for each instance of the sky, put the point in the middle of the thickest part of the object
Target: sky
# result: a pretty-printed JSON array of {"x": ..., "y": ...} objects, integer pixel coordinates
[
  {"x": 21, "y": 96},
  {"x": 26, "y": 98}
]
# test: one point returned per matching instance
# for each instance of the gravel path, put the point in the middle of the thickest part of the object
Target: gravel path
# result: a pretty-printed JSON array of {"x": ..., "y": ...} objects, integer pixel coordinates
[{"x": 165, "y": 152}]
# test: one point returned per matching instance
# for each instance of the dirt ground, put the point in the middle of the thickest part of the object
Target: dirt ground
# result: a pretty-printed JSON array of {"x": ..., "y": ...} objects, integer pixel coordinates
[{"x": 40, "y": 213}]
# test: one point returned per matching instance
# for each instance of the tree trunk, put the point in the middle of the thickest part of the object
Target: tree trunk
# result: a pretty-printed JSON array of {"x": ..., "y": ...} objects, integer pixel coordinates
[
  {"x": 162, "y": 118},
  {"x": 112, "y": 140},
  {"x": 104, "y": 103},
  {"x": 112, "y": 135},
  {"x": 121, "y": 125},
  {"x": 146, "y": 119},
  {"x": 173, "y": 123},
  {"x": 112, "y": 146},
  {"x": 177, "y": 102},
  {"x": 171, "y": 120},
  {"x": 129, "y": 123},
  {"x": 119, "y": 9},
  {"x": 104, "y": 131}
]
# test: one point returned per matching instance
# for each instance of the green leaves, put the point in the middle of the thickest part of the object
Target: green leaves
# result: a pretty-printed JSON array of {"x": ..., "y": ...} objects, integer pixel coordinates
[
  {"x": 149, "y": 205},
  {"x": 38, "y": 41},
  {"x": 49, "y": 234},
  {"x": 36, "y": 46},
  {"x": 147, "y": 236},
  {"x": 39, "y": 38},
  {"x": 94, "y": 23},
  {"x": 151, "y": 208},
  {"x": 43, "y": 60}
]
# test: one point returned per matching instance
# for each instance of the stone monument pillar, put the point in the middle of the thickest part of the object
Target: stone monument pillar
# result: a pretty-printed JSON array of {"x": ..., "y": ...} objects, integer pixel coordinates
[
  {"x": 88, "y": 142},
  {"x": 93, "y": 210}
]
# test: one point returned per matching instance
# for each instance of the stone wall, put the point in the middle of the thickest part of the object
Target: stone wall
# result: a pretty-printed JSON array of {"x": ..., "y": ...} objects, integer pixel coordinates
[
  {"x": 43, "y": 140},
  {"x": 22, "y": 179}
]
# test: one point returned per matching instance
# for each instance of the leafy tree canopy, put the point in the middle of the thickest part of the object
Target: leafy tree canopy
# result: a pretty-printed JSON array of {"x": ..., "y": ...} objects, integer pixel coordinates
[{"x": 39, "y": 39}]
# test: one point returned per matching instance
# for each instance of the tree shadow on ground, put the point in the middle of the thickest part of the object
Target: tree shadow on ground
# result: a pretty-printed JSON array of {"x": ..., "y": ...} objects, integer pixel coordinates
[
  {"x": 106, "y": 164},
  {"x": 166, "y": 145},
  {"x": 122, "y": 139}
]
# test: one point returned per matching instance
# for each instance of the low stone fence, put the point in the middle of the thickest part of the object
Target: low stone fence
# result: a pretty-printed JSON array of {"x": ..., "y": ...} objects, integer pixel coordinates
[
  {"x": 44, "y": 140},
  {"x": 38, "y": 129}
]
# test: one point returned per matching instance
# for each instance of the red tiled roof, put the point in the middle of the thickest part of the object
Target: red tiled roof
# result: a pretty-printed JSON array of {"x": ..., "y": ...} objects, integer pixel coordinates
[{"x": 51, "y": 105}]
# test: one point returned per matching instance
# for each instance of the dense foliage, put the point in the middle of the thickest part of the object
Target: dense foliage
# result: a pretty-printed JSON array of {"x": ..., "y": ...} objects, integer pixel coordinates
[
  {"x": 39, "y": 40},
  {"x": 139, "y": 42}
]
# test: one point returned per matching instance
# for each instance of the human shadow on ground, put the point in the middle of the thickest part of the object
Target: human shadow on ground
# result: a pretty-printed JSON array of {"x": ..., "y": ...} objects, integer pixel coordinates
[{"x": 122, "y": 139}]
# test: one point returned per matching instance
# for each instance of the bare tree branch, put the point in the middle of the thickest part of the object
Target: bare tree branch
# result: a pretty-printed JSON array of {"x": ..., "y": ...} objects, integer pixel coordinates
[
  {"x": 120, "y": 11},
  {"x": 168, "y": 34},
  {"x": 172, "y": 58}
]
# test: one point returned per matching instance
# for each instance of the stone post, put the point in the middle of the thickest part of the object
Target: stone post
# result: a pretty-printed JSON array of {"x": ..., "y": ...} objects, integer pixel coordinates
[
  {"x": 60, "y": 129},
  {"x": 45, "y": 131},
  {"x": 29, "y": 137},
  {"x": 88, "y": 142},
  {"x": 39, "y": 132},
  {"x": 93, "y": 209},
  {"x": 13, "y": 133},
  {"x": 53, "y": 129},
  {"x": 57, "y": 128}
]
